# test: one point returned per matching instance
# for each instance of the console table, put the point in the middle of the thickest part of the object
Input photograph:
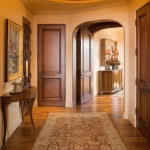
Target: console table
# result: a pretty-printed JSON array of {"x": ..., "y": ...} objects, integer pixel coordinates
[
  {"x": 29, "y": 95},
  {"x": 110, "y": 81}
]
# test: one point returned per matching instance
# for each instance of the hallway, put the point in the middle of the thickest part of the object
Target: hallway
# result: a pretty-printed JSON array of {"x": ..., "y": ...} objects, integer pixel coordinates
[{"x": 24, "y": 136}]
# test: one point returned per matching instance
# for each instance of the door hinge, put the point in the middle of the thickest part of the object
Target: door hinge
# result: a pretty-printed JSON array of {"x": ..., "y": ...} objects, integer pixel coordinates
[
  {"x": 136, "y": 81},
  {"x": 136, "y": 111},
  {"x": 136, "y": 52},
  {"x": 135, "y": 22}
]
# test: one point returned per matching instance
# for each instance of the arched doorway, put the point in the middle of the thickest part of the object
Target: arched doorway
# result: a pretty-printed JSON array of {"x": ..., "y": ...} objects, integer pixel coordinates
[{"x": 92, "y": 27}]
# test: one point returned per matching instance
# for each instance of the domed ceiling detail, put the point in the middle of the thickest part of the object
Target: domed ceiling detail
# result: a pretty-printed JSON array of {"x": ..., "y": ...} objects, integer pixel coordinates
[
  {"x": 76, "y": 1},
  {"x": 69, "y": 6}
]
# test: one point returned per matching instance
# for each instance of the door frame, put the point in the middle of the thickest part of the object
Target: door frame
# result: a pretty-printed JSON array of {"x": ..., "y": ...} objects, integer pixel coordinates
[{"x": 74, "y": 56}]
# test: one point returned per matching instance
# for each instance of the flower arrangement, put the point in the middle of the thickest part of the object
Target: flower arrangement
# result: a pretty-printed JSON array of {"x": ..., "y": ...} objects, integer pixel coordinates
[{"x": 114, "y": 62}]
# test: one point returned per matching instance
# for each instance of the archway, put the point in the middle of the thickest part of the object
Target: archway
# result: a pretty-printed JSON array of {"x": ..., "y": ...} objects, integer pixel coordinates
[{"x": 93, "y": 27}]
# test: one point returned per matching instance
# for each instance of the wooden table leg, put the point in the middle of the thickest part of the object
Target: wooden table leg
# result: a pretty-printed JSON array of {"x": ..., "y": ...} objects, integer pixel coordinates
[
  {"x": 21, "y": 107},
  {"x": 31, "y": 101},
  {"x": 5, "y": 123}
]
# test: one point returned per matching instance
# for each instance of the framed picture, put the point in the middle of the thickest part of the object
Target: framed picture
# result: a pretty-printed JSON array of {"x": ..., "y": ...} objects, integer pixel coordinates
[
  {"x": 14, "y": 51},
  {"x": 107, "y": 48}
]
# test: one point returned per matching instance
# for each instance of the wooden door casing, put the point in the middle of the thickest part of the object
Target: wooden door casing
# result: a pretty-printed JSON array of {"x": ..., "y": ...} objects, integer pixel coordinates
[
  {"x": 143, "y": 70},
  {"x": 26, "y": 48},
  {"x": 84, "y": 66},
  {"x": 51, "y": 65}
]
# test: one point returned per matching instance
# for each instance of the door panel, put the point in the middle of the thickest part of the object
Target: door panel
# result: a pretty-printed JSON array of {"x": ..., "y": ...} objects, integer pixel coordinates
[
  {"x": 84, "y": 66},
  {"x": 86, "y": 52},
  {"x": 51, "y": 51},
  {"x": 107, "y": 78},
  {"x": 54, "y": 91},
  {"x": 86, "y": 82},
  {"x": 51, "y": 65},
  {"x": 143, "y": 70}
]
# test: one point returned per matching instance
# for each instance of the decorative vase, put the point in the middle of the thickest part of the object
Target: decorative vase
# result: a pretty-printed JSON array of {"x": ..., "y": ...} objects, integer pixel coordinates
[
  {"x": 107, "y": 67},
  {"x": 114, "y": 67}
]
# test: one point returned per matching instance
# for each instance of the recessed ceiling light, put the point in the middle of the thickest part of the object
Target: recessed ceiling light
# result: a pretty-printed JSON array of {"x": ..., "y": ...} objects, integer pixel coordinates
[{"x": 76, "y": 1}]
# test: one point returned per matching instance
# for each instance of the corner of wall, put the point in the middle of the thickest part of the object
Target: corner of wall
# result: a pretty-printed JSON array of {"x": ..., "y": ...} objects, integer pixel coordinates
[
  {"x": 14, "y": 127},
  {"x": 132, "y": 119},
  {"x": 68, "y": 105},
  {"x": 125, "y": 115}
]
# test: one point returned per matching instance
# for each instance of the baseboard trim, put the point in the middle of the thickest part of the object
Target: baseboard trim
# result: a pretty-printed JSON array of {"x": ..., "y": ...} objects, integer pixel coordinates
[{"x": 132, "y": 120}]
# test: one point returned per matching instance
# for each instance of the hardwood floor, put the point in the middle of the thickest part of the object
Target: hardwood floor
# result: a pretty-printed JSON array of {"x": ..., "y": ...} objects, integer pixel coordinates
[{"x": 24, "y": 136}]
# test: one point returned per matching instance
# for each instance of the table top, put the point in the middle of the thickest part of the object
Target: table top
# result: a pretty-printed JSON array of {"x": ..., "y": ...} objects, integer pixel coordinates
[
  {"x": 110, "y": 70},
  {"x": 14, "y": 97}
]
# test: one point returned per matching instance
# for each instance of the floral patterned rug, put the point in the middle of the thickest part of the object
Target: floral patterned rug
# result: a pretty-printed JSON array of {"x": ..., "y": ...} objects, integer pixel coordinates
[{"x": 78, "y": 131}]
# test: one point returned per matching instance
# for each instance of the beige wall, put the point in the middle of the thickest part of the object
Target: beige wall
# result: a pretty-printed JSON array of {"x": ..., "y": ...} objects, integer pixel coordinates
[
  {"x": 13, "y": 10},
  {"x": 116, "y": 34}
]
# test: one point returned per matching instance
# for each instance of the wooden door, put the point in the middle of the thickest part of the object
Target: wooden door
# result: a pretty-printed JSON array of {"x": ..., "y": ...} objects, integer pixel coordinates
[
  {"x": 51, "y": 65},
  {"x": 84, "y": 66},
  {"x": 143, "y": 70}
]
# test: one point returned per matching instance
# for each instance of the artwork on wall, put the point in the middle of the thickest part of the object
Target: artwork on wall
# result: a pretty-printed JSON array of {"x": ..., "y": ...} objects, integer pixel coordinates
[
  {"x": 14, "y": 54},
  {"x": 109, "y": 53},
  {"x": 107, "y": 47}
]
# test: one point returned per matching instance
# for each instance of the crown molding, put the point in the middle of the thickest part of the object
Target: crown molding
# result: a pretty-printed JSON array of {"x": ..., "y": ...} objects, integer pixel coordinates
[
  {"x": 76, "y": 1},
  {"x": 28, "y": 5}
]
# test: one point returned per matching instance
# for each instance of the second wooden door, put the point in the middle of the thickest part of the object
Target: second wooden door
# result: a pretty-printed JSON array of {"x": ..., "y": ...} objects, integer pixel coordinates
[{"x": 84, "y": 66}]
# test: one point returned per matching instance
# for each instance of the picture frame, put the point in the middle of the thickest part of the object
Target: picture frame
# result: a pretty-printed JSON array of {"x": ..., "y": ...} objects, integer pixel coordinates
[
  {"x": 14, "y": 51},
  {"x": 106, "y": 44}
]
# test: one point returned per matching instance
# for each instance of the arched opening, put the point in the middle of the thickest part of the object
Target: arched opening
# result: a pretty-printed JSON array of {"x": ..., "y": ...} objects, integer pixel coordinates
[{"x": 93, "y": 27}]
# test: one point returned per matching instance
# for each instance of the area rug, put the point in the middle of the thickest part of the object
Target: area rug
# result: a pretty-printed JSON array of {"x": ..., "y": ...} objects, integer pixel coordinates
[{"x": 78, "y": 131}]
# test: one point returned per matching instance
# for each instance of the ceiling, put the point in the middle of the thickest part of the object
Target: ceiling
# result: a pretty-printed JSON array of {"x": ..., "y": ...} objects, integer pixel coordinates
[{"x": 69, "y": 6}]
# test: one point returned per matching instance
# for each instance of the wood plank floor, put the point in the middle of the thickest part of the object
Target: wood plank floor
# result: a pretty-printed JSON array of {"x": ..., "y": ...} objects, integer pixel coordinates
[{"x": 24, "y": 136}]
